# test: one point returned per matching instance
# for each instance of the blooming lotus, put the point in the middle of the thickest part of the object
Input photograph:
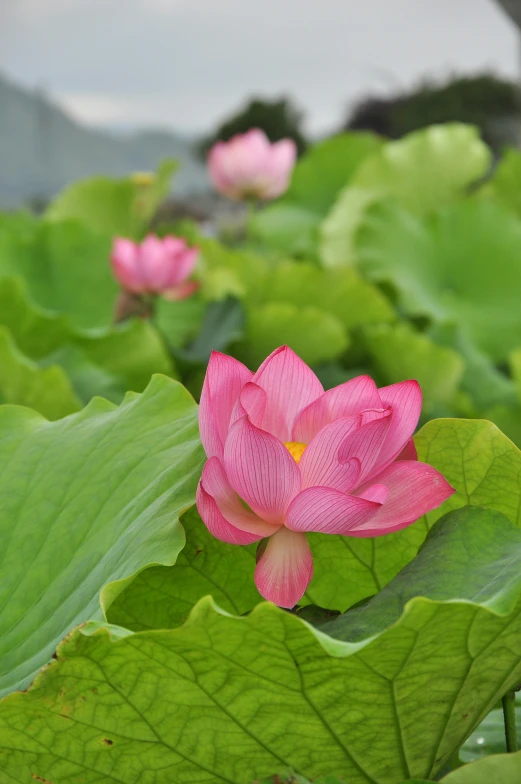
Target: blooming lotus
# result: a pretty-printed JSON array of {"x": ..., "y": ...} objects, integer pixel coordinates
[
  {"x": 250, "y": 166},
  {"x": 156, "y": 266},
  {"x": 286, "y": 458}
]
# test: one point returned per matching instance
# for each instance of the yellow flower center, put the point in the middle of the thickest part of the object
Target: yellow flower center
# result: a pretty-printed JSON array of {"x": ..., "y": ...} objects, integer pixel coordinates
[{"x": 296, "y": 449}]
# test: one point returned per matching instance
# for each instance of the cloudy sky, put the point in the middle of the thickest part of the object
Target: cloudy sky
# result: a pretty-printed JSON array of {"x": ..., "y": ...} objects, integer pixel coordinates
[{"x": 186, "y": 63}]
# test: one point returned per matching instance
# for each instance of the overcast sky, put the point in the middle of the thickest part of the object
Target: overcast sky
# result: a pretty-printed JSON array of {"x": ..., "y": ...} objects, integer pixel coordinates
[{"x": 187, "y": 63}]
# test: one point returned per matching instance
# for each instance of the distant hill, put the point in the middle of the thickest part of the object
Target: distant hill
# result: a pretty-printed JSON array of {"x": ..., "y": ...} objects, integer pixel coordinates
[{"x": 42, "y": 149}]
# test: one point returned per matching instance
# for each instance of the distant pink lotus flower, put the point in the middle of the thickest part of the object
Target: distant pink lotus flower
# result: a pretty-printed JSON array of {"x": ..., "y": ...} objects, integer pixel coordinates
[
  {"x": 286, "y": 458},
  {"x": 156, "y": 266},
  {"x": 250, "y": 166}
]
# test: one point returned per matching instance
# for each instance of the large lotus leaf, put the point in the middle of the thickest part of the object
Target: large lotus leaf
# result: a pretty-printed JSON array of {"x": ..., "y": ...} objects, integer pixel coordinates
[
  {"x": 339, "y": 229},
  {"x": 86, "y": 501},
  {"x": 504, "y": 183},
  {"x": 180, "y": 321},
  {"x": 486, "y": 384},
  {"x": 500, "y": 769},
  {"x": 103, "y": 362},
  {"x": 326, "y": 168},
  {"x": 508, "y": 419},
  {"x": 400, "y": 353},
  {"x": 425, "y": 170},
  {"x": 47, "y": 390},
  {"x": 114, "y": 206},
  {"x": 515, "y": 366},
  {"x": 222, "y": 325},
  {"x": 162, "y": 597},
  {"x": 341, "y": 292},
  {"x": 230, "y": 272},
  {"x": 481, "y": 463},
  {"x": 66, "y": 269},
  {"x": 315, "y": 335},
  {"x": 127, "y": 356},
  {"x": 236, "y": 699},
  {"x": 287, "y": 228},
  {"x": 289, "y": 777},
  {"x": 460, "y": 266},
  {"x": 291, "y": 223},
  {"x": 36, "y": 331}
]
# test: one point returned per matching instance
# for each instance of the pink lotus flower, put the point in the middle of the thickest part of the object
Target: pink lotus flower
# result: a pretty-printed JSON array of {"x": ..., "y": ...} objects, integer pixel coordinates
[
  {"x": 249, "y": 166},
  {"x": 156, "y": 266},
  {"x": 286, "y": 458}
]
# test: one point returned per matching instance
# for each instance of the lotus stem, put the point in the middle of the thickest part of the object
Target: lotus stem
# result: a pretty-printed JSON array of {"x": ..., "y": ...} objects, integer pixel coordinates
[{"x": 509, "y": 714}]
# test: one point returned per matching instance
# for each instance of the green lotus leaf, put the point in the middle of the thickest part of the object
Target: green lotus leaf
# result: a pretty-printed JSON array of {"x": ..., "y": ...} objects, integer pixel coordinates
[
  {"x": 499, "y": 769},
  {"x": 481, "y": 463},
  {"x": 86, "y": 501},
  {"x": 459, "y": 266},
  {"x": 47, "y": 390},
  {"x": 339, "y": 229},
  {"x": 340, "y": 292},
  {"x": 179, "y": 322},
  {"x": 425, "y": 170},
  {"x": 503, "y": 185},
  {"x": 114, "y": 206},
  {"x": 288, "y": 228},
  {"x": 105, "y": 362},
  {"x": 162, "y": 597},
  {"x": 291, "y": 224},
  {"x": 315, "y": 335},
  {"x": 400, "y": 353},
  {"x": 66, "y": 269},
  {"x": 237, "y": 699}
]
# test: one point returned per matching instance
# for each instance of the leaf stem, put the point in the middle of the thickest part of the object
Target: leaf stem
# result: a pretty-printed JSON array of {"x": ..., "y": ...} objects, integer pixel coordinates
[{"x": 509, "y": 714}]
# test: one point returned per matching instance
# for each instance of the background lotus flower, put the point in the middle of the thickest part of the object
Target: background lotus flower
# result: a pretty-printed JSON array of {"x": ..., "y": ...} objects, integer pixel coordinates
[
  {"x": 250, "y": 166},
  {"x": 156, "y": 266},
  {"x": 286, "y": 458}
]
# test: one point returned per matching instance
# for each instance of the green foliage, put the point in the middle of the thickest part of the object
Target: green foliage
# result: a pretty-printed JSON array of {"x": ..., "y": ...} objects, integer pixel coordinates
[
  {"x": 162, "y": 597},
  {"x": 399, "y": 352},
  {"x": 222, "y": 325},
  {"x": 427, "y": 168},
  {"x": 291, "y": 224},
  {"x": 122, "y": 207},
  {"x": 66, "y": 269},
  {"x": 47, "y": 390},
  {"x": 315, "y": 335},
  {"x": 502, "y": 186},
  {"x": 311, "y": 309},
  {"x": 179, "y": 322},
  {"x": 279, "y": 694},
  {"x": 442, "y": 268},
  {"x": 88, "y": 500},
  {"x": 503, "y": 769},
  {"x": 106, "y": 362},
  {"x": 422, "y": 172},
  {"x": 489, "y": 737},
  {"x": 327, "y": 167},
  {"x": 279, "y": 119},
  {"x": 420, "y": 280}
]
